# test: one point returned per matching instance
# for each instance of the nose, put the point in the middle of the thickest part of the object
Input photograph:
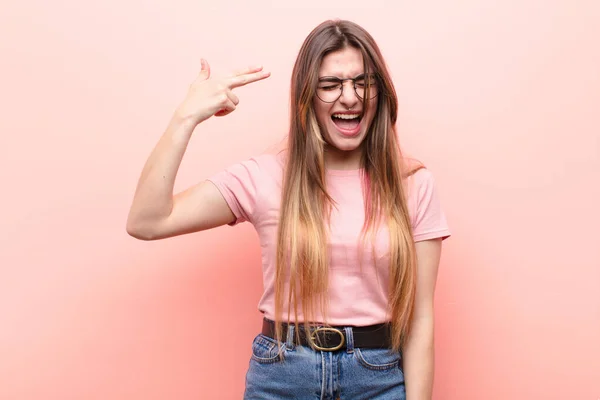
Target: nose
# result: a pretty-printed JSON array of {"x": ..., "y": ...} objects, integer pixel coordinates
[{"x": 348, "y": 97}]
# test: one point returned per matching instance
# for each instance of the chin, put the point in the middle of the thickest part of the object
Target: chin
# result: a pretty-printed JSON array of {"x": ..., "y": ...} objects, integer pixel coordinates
[
  {"x": 345, "y": 145},
  {"x": 342, "y": 143}
]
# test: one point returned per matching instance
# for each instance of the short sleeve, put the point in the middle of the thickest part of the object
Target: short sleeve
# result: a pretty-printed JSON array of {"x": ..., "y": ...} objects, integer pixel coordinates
[
  {"x": 239, "y": 185},
  {"x": 428, "y": 218}
]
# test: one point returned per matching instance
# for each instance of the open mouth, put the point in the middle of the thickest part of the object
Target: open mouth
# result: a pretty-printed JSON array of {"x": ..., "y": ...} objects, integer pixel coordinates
[{"x": 347, "y": 123}]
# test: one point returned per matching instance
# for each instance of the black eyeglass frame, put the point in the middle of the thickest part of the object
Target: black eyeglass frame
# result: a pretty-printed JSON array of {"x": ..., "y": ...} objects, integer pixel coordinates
[{"x": 336, "y": 80}]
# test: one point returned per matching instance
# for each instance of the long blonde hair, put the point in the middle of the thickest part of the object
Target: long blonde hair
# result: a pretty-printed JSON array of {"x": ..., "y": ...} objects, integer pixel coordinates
[{"x": 306, "y": 204}]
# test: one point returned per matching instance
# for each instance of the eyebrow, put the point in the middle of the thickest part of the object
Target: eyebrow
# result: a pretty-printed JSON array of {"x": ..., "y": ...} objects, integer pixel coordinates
[{"x": 336, "y": 79}]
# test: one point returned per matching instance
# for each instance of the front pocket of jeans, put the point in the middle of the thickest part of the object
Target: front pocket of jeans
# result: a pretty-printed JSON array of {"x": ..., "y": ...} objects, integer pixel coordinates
[
  {"x": 266, "y": 350},
  {"x": 377, "y": 359}
]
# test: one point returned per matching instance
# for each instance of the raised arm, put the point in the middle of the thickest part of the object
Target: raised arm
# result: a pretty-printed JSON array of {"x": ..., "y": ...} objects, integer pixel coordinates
[{"x": 157, "y": 213}]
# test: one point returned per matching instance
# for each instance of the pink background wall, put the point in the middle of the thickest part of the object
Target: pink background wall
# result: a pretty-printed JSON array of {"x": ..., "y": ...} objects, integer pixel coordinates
[{"x": 500, "y": 99}]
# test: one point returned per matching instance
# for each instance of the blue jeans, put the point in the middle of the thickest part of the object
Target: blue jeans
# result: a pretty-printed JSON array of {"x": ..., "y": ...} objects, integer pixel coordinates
[{"x": 287, "y": 371}]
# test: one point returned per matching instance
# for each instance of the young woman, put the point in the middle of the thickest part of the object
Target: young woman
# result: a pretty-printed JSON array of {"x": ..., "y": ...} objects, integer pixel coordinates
[{"x": 350, "y": 230}]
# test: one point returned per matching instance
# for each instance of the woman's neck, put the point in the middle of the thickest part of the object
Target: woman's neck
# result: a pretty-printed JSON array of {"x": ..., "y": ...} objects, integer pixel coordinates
[{"x": 342, "y": 160}]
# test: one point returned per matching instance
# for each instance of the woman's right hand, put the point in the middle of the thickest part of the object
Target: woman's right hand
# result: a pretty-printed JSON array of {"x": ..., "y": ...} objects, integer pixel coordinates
[{"x": 209, "y": 96}]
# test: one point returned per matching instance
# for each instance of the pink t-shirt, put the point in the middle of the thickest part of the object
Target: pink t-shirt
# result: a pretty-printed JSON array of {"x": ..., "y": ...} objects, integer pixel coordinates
[{"x": 357, "y": 293}]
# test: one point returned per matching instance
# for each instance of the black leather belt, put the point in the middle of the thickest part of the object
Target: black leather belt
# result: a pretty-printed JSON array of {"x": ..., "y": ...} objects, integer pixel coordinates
[{"x": 334, "y": 338}]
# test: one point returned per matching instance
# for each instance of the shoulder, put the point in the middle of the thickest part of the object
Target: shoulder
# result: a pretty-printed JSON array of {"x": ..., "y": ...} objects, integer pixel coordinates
[
  {"x": 269, "y": 161},
  {"x": 262, "y": 167},
  {"x": 254, "y": 167},
  {"x": 418, "y": 179},
  {"x": 422, "y": 177},
  {"x": 245, "y": 184},
  {"x": 427, "y": 215}
]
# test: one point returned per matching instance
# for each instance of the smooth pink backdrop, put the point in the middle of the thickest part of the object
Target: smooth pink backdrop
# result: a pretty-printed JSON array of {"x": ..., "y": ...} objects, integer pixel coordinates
[{"x": 501, "y": 100}]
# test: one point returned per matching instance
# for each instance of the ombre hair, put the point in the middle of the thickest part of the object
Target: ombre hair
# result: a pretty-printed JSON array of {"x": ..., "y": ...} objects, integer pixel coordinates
[{"x": 302, "y": 240}]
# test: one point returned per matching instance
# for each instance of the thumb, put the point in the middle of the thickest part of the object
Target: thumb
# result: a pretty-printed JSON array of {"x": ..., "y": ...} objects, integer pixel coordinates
[{"x": 205, "y": 70}]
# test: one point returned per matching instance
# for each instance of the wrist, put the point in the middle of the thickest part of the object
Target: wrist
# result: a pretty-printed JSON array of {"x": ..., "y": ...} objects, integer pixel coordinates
[
  {"x": 182, "y": 119},
  {"x": 186, "y": 117},
  {"x": 181, "y": 128}
]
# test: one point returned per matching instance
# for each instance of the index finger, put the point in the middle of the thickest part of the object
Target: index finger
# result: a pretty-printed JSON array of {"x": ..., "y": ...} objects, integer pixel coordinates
[{"x": 244, "y": 79}]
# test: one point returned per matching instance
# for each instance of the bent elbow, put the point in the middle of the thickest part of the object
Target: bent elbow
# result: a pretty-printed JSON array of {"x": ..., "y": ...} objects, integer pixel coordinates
[{"x": 136, "y": 231}]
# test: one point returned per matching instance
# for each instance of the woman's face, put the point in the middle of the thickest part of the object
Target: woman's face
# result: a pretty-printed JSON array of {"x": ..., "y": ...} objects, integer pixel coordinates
[{"x": 343, "y": 120}]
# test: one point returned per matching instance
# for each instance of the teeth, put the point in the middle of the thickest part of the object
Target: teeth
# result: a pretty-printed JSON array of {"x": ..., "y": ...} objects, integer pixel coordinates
[{"x": 346, "y": 116}]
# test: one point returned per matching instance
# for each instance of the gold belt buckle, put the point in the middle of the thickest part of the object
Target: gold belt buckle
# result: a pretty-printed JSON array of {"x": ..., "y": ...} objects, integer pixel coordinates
[{"x": 326, "y": 329}]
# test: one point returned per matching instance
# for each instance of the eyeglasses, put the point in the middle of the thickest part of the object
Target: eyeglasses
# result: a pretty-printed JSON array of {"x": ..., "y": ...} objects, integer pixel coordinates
[{"x": 330, "y": 88}]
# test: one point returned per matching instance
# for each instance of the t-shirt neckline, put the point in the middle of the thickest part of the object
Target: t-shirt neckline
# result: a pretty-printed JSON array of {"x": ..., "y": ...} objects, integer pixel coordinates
[{"x": 344, "y": 172}]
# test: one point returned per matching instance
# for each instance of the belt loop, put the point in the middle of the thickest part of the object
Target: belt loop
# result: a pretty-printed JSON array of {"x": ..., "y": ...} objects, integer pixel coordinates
[
  {"x": 290, "y": 337},
  {"x": 349, "y": 339}
]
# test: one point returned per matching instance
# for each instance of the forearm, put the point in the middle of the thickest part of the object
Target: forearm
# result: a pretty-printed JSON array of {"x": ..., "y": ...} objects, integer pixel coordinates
[
  {"x": 418, "y": 356},
  {"x": 153, "y": 197}
]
